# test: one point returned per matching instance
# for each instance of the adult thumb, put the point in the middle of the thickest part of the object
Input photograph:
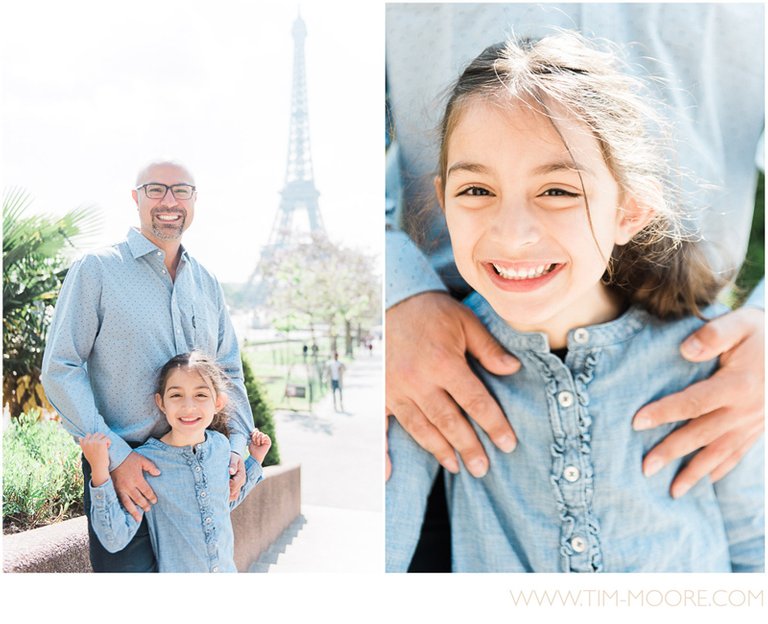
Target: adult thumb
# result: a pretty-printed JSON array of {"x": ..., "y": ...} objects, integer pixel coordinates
[
  {"x": 148, "y": 466},
  {"x": 485, "y": 349},
  {"x": 716, "y": 337}
]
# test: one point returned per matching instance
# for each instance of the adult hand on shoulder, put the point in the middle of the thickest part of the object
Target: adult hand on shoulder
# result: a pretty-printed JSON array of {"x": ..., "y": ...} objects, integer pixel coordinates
[
  {"x": 725, "y": 411},
  {"x": 429, "y": 380},
  {"x": 131, "y": 486},
  {"x": 236, "y": 475}
]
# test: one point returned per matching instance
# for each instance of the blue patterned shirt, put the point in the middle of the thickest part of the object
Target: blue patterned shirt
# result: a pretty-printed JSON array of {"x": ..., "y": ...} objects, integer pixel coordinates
[
  {"x": 119, "y": 318},
  {"x": 190, "y": 526},
  {"x": 572, "y": 496}
]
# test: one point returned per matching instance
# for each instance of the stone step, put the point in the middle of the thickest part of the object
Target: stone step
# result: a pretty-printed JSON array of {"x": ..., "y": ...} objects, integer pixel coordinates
[{"x": 327, "y": 539}]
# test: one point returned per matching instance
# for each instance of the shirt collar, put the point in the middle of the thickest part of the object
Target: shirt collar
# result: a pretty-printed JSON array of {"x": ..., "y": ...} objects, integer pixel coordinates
[
  {"x": 618, "y": 330},
  {"x": 140, "y": 245}
]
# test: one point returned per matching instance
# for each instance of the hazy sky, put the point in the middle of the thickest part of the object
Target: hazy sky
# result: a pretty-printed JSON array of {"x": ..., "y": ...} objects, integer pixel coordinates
[{"x": 91, "y": 90}]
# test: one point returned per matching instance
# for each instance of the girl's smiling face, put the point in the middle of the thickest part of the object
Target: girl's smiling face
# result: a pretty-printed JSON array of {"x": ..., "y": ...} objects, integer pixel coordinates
[
  {"x": 514, "y": 200},
  {"x": 189, "y": 404}
]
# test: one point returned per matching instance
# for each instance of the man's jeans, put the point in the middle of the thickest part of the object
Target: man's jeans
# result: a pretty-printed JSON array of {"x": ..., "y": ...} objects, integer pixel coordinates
[{"x": 137, "y": 556}]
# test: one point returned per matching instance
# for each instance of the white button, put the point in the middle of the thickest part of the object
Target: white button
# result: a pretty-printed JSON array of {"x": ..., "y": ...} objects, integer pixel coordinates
[
  {"x": 565, "y": 398},
  {"x": 581, "y": 335},
  {"x": 215, "y": 569},
  {"x": 208, "y": 520},
  {"x": 571, "y": 473},
  {"x": 164, "y": 271},
  {"x": 159, "y": 253},
  {"x": 578, "y": 544},
  {"x": 203, "y": 494},
  {"x": 197, "y": 468}
]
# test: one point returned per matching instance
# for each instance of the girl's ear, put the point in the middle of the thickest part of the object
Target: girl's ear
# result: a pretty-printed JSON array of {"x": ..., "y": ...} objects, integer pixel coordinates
[
  {"x": 631, "y": 217},
  {"x": 221, "y": 401},
  {"x": 438, "y": 182},
  {"x": 159, "y": 401}
]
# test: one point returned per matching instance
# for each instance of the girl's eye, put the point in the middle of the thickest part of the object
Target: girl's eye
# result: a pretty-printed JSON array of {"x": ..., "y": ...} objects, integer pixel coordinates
[
  {"x": 202, "y": 395},
  {"x": 475, "y": 191},
  {"x": 558, "y": 192},
  {"x": 174, "y": 395}
]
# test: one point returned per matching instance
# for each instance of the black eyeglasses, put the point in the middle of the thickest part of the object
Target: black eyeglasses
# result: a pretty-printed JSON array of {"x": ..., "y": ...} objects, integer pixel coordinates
[{"x": 155, "y": 190}]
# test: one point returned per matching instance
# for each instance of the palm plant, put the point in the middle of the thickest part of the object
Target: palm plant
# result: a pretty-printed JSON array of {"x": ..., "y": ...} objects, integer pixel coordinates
[{"x": 35, "y": 262}]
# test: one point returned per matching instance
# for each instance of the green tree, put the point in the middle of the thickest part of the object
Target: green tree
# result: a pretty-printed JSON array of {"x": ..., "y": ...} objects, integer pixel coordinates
[
  {"x": 35, "y": 260},
  {"x": 262, "y": 411},
  {"x": 324, "y": 283}
]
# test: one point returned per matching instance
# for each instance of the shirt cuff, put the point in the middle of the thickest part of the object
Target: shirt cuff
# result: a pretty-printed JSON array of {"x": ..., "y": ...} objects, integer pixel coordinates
[
  {"x": 104, "y": 495},
  {"x": 253, "y": 470},
  {"x": 408, "y": 272},
  {"x": 119, "y": 450},
  {"x": 237, "y": 443},
  {"x": 756, "y": 298}
]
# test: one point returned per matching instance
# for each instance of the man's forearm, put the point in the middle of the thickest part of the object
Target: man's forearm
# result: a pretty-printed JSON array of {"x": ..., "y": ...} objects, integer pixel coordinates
[{"x": 229, "y": 358}]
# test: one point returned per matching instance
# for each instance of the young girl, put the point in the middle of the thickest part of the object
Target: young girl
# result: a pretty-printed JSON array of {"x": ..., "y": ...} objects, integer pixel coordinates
[
  {"x": 559, "y": 210},
  {"x": 189, "y": 526}
]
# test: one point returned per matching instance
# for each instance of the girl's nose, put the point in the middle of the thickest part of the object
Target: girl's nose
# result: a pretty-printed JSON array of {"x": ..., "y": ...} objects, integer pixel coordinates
[{"x": 517, "y": 223}]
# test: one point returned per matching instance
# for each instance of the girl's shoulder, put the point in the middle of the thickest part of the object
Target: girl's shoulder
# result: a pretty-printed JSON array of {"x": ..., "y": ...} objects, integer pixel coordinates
[
  {"x": 216, "y": 439},
  {"x": 682, "y": 327}
]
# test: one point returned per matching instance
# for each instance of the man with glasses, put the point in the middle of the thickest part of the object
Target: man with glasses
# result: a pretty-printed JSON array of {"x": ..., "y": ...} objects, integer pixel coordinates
[{"x": 123, "y": 312}]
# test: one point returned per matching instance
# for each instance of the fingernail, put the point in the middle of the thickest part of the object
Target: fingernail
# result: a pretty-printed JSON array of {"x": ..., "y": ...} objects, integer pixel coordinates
[
  {"x": 679, "y": 489},
  {"x": 451, "y": 465},
  {"x": 510, "y": 360},
  {"x": 641, "y": 423},
  {"x": 652, "y": 467},
  {"x": 506, "y": 443},
  {"x": 477, "y": 467},
  {"x": 692, "y": 348}
]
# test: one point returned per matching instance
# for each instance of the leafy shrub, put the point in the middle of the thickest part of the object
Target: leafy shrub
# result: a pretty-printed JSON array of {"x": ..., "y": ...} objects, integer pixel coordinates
[
  {"x": 42, "y": 475},
  {"x": 262, "y": 411}
]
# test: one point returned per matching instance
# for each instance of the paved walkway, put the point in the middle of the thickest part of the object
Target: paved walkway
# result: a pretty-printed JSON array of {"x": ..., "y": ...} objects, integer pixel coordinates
[{"x": 341, "y": 526}]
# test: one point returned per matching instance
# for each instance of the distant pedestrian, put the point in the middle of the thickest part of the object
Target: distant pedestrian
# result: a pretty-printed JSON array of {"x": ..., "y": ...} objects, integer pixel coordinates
[
  {"x": 336, "y": 371},
  {"x": 304, "y": 352}
]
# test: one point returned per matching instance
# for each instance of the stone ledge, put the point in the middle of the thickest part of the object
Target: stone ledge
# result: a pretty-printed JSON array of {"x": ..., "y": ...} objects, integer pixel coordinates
[{"x": 259, "y": 520}]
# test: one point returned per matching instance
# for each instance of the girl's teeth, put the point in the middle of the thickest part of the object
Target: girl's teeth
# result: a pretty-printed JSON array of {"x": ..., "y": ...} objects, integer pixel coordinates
[{"x": 522, "y": 274}]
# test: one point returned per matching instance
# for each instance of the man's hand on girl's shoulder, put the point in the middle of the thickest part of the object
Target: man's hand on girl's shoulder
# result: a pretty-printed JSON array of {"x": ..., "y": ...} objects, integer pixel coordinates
[{"x": 726, "y": 411}]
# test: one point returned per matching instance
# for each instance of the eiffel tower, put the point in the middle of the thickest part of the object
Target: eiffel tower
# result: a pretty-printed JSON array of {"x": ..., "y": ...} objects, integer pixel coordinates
[{"x": 299, "y": 193}]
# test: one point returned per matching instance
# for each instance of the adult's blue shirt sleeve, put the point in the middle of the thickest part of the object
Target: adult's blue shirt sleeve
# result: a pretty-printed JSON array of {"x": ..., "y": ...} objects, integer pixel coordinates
[{"x": 76, "y": 323}]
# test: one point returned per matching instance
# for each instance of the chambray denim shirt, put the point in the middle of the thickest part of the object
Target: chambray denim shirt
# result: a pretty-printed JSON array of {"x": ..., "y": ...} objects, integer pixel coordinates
[
  {"x": 189, "y": 526},
  {"x": 118, "y": 320},
  {"x": 572, "y": 496}
]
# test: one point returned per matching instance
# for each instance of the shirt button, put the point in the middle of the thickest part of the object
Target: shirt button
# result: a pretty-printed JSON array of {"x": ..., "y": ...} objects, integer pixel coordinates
[
  {"x": 215, "y": 569},
  {"x": 208, "y": 520},
  {"x": 571, "y": 473},
  {"x": 581, "y": 335},
  {"x": 578, "y": 544},
  {"x": 203, "y": 494},
  {"x": 565, "y": 398},
  {"x": 197, "y": 468},
  {"x": 164, "y": 271}
]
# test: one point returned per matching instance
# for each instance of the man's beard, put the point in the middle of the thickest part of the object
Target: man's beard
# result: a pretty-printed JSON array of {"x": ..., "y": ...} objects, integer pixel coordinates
[{"x": 164, "y": 230}]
